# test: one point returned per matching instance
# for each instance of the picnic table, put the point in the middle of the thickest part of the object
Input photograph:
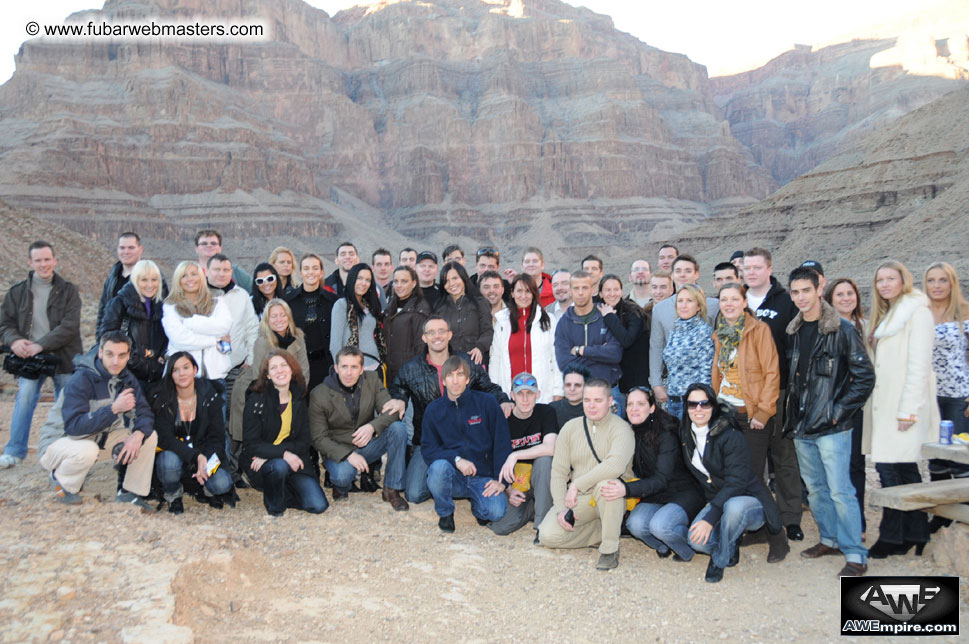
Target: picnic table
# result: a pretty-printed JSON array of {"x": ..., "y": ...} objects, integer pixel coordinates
[{"x": 943, "y": 498}]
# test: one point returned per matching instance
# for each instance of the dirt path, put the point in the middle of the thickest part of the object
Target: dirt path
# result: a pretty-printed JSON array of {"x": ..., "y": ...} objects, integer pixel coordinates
[{"x": 361, "y": 572}]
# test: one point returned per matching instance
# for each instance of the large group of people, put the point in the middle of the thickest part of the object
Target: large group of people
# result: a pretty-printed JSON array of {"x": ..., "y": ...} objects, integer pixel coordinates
[{"x": 692, "y": 422}]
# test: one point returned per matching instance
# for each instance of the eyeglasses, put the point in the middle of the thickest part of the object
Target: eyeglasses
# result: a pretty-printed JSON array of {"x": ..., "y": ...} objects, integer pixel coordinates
[
  {"x": 269, "y": 279},
  {"x": 525, "y": 382},
  {"x": 486, "y": 250},
  {"x": 209, "y": 243},
  {"x": 701, "y": 404}
]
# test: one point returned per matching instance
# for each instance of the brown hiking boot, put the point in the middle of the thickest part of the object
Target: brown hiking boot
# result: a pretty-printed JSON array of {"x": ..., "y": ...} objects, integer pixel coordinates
[
  {"x": 394, "y": 498},
  {"x": 853, "y": 570},
  {"x": 819, "y": 550}
]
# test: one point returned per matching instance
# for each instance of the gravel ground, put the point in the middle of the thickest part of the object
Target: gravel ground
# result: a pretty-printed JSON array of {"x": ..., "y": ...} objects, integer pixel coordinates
[{"x": 361, "y": 572}]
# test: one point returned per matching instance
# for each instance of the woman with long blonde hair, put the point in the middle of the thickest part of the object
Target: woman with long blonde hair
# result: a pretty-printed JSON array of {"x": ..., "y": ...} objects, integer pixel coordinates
[
  {"x": 277, "y": 330},
  {"x": 950, "y": 361},
  {"x": 196, "y": 322},
  {"x": 902, "y": 410},
  {"x": 283, "y": 260}
]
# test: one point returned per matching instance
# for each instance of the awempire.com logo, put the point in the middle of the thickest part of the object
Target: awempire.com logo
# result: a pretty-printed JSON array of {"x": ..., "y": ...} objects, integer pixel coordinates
[{"x": 899, "y": 605}]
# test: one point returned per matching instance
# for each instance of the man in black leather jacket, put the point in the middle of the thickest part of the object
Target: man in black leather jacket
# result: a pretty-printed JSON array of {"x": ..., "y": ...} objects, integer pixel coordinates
[
  {"x": 830, "y": 377},
  {"x": 419, "y": 381}
]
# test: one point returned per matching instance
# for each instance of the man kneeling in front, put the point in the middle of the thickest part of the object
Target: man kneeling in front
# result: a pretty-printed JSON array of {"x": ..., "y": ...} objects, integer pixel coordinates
[
  {"x": 595, "y": 448},
  {"x": 101, "y": 406},
  {"x": 465, "y": 441}
]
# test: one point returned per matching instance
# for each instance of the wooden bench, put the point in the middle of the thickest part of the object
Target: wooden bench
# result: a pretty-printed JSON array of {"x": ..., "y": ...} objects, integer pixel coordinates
[{"x": 944, "y": 498}]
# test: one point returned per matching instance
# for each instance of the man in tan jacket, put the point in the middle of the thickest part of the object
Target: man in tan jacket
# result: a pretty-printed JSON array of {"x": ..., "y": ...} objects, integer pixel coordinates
[
  {"x": 350, "y": 431},
  {"x": 595, "y": 448}
]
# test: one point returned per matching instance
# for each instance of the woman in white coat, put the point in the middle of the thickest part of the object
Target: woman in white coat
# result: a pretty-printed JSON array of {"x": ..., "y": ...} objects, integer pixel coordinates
[
  {"x": 524, "y": 341},
  {"x": 902, "y": 411},
  {"x": 196, "y": 322}
]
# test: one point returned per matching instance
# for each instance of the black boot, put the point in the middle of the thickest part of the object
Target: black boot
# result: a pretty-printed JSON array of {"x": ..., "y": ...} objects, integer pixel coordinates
[{"x": 176, "y": 507}]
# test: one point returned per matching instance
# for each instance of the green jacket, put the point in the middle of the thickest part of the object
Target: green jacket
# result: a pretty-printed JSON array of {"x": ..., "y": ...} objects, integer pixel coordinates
[{"x": 330, "y": 422}]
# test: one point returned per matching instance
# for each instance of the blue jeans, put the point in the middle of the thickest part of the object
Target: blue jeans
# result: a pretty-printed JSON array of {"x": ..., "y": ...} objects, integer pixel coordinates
[
  {"x": 416, "y": 490},
  {"x": 171, "y": 470},
  {"x": 740, "y": 513},
  {"x": 283, "y": 488},
  {"x": 446, "y": 483},
  {"x": 661, "y": 527},
  {"x": 617, "y": 397},
  {"x": 825, "y": 464},
  {"x": 392, "y": 441},
  {"x": 28, "y": 392},
  {"x": 675, "y": 409}
]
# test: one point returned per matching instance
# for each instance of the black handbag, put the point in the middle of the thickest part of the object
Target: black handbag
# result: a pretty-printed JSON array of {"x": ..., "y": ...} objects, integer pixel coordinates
[{"x": 34, "y": 367}]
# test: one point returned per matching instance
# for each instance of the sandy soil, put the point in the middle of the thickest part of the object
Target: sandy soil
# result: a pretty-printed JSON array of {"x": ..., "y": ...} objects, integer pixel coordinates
[{"x": 361, "y": 572}]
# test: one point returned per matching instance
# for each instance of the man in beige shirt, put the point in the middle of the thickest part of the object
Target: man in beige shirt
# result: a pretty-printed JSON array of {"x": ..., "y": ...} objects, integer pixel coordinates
[{"x": 594, "y": 448}]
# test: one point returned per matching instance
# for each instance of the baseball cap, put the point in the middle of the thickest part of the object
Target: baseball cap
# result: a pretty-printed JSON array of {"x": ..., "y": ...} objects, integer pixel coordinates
[
  {"x": 814, "y": 265},
  {"x": 426, "y": 254},
  {"x": 524, "y": 380}
]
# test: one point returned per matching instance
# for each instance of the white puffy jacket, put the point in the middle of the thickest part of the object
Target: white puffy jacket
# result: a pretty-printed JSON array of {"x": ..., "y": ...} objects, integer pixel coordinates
[
  {"x": 544, "y": 367},
  {"x": 199, "y": 335}
]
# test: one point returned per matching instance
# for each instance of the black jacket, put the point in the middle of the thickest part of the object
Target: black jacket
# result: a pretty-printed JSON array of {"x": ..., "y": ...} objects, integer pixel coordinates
[
  {"x": 403, "y": 330},
  {"x": 209, "y": 437},
  {"x": 335, "y": 282},
  {"x": 261, "y": 422},
  {"x": 727, "y": 459},
  {"x": 777, "y": 310},
  {"x": 663, "y": 477},
  {"x": 826, "y": 392},
  {"x": 63, "y": 313},
  {"x": 470, "y": 322},
  {"x": 112, "y": 286},
  {"x": 317, "y": 330},
  {"x": 629, "y": 327},
  {"x": 417, "y": 381},
  {"x": 146, "y": 332}
]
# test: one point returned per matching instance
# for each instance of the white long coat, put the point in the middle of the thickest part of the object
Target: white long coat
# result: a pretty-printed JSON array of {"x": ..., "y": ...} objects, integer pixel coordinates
[{"x": 904, "y": 384}]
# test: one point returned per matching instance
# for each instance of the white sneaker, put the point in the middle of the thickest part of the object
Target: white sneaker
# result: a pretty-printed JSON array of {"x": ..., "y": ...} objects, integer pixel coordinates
[{"x": 7, "y": 461}]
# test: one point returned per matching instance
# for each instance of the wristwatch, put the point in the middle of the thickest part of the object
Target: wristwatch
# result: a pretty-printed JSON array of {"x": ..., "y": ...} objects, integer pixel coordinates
[{"x": 457, "y": 459}]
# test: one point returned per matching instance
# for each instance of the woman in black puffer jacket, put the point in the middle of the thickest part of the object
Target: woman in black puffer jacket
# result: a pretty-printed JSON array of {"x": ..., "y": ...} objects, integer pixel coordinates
[
  {"x": 137, "y": 311},
  {"x": 404, "y": 320},
  {"x": 669, "y": 496}
]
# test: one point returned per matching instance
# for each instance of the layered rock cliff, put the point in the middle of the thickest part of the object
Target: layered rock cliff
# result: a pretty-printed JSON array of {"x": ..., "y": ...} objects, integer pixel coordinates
[
  {"x": 810, "y": 103},
  {"x": 899, "y": 193},
  {"x": 430, "y": 120}
]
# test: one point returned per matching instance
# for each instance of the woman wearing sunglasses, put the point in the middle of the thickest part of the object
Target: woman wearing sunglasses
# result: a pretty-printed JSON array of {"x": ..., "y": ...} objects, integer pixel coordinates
[
  {"x": 524, "y": 341},
  {"x": 717, "y": 455},
  {"x": 266, "y": 286},
  {"x": 668, "y": 494}
]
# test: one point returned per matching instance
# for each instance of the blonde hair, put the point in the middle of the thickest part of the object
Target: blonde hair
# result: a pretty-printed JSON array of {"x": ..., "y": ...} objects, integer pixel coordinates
[
  {"x": 266, "y": 331},
  {"x": 146, "y": 268},
  {"x": 179, "y": 299},
  {"x": 958, "y": 309},
  {"x": 880, "y": 306},
  {"x": 698, "y": 296},
  {"x": 293, "y": 277}
]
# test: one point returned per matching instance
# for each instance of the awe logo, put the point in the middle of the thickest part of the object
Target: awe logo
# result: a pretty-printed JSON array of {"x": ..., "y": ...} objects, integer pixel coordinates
[{"x": 900, "y": 601}]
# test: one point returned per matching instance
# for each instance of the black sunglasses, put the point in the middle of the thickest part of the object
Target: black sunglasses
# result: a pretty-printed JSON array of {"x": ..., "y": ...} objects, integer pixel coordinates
[
  {"x": 647, "y": 391},
  {"x": 269, "y": 279},
  {"x": 702, "y": 404},
  {"x": 487, "y": 251}
]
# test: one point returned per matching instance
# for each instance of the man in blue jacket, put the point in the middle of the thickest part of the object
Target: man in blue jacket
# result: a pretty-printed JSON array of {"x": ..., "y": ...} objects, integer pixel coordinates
[
  {"x": 465, "y": 441},
  {"x": 581, "y": 336},
  {"x": 101, "y": 406}
]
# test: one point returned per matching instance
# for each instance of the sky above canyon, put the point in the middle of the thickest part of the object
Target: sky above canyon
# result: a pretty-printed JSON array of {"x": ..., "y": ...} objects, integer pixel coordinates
[{"x": 727, "y": 37}]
